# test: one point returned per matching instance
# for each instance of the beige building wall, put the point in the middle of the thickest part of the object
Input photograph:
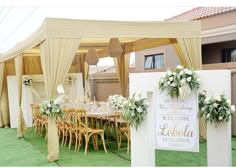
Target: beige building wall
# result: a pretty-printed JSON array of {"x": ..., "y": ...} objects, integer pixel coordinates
[
  {"x": 212, "y": 53},
  {"x": 171, "y": 59}
]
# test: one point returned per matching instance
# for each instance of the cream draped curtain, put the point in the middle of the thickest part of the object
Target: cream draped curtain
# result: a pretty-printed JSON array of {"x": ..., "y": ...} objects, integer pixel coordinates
[
  {"x": 4, "y": 99},
  {"x": 1, "y": 88},
  {"x": 189, "y": 53},
  {"x": 122, "y": 69},
  {"x": 56, "y": 57},
  {"x": 21, "y": 122}
]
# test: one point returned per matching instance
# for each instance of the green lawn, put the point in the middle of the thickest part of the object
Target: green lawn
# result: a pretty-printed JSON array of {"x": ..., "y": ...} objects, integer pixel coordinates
[{"x": 32, "y": 151}]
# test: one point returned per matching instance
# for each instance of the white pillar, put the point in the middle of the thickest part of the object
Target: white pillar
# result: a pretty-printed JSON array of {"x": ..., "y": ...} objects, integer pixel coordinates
[
  {"x": 143, "y": 139},
  {"x": 219, "y": 144}
]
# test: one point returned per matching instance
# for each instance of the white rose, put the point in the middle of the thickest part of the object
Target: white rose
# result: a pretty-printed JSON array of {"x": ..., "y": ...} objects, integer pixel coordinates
[
  {"x": 169, "y": 73},
  {"x": 168, "y": 83},
  {"x": 171, "y": 78},
  {"x": 207, "y": 100},
  {"x": 228, "y": 102},
  {"x": 189, "y": 72},
  {"x": 179, "y": 67},
  {"x": 173, "y": 84},
  {"x": 139, "y": 109},
  {"x": 189, "y": 79},
  {"x": 220, "y": 118},
  {"x": 181, "y": 73},
  {"x": 233, "y": 108},
  {"x": 215, "y": 105},
  {"x": 208, "y": 115},
  {"x": 49, "y": 105}
]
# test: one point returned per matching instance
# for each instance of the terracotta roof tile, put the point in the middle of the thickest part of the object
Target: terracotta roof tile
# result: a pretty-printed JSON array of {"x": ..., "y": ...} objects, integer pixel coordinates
[{"x": 200, "y": 12}]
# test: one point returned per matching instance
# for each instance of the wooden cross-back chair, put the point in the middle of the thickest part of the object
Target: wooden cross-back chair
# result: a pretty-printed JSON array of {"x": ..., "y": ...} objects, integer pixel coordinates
[
  {"x": 64, "y": 125},
  {"x": 37, "y": 119},
  {"x": 124, "y": 132},
  {"x": 87, "y": 132}
]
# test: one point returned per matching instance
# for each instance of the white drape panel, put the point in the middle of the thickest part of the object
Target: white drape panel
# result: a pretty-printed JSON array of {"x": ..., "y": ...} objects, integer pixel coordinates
[
  {"x": 1, "y": 86},
  {"x": 56, "y": 57},
  {"x": 21, "y": 123},
  {"x": 27, "y": 99},
  {"x": 189, "y": 52}
]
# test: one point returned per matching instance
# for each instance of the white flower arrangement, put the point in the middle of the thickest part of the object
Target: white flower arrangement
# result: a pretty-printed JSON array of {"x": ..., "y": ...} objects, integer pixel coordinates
[
  {"x": 116, "y": 101},
  {"x": 70, "y": 79},
  {"x": 134, "y": 109},
  {"x": 27, "y": 81},
  {"x": 217, "y": 109},
  {"x": 51, "y": 108},
  {"x": 179, "y": 82}
]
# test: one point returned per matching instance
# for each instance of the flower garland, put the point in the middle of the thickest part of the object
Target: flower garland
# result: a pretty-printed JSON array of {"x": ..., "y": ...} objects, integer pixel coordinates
[
  {"x": 134, "y": 110},
  {"x": 217, "y": 109},
  {"x": 116, "y": 101},
  {"x": 27, "y": 81},
  {"x": 180, "y": 82},
  {"x": 51, "y": 108}
]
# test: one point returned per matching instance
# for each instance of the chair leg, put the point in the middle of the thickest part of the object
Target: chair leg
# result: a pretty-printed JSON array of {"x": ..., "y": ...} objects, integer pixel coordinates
[{"x": 103, "y": 142}]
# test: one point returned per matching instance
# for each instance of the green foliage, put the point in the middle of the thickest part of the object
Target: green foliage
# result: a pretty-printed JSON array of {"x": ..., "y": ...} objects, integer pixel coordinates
[
  {"x": 51, "y": 109},
  {"x": 134, "y": 110},
  {"x": 216, "y": 110}
]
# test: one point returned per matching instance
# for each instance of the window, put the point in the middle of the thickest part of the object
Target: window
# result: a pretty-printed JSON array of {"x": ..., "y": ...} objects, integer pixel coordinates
[
  {"x": 229, "y": 55},
  {"x": 154, "y": 61}
]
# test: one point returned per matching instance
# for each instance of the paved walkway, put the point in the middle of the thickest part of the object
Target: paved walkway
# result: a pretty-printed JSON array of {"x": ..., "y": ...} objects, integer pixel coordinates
[{"x": 18, "y": 152}]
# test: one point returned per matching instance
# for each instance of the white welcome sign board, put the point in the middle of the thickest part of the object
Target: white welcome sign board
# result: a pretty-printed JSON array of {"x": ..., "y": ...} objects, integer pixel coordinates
[
  {"x": 176, "y": 122},
  {"x": 143, "y": 140}
]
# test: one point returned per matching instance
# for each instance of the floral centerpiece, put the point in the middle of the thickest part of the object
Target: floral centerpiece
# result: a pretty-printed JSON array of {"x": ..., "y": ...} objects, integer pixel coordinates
[
  {"x": 27, "y": 80},
  {"x": 116, "y": 101},
  {"x": 51, "y": 108},
  {"x": 179, "y": 82},
  {"x": 70, "y": 79},
  {"x": 134, "y": 109},
  {"x": 217, "y": 109}
]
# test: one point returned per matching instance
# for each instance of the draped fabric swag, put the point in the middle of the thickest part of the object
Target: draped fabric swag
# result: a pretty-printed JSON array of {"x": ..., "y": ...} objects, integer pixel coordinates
[
  {"x": 4, "y": 100},
  {"x": 189, "y": 52},
  {"x": 122, "y": 69},
  {"x": 56, "y": 57},
  {"x": 1, "y": 88},
  {"x": 21, "y": 122}
]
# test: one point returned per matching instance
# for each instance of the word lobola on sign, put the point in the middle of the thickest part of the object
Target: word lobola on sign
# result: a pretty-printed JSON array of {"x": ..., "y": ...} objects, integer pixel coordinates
[{"x": 176, "y": 122}]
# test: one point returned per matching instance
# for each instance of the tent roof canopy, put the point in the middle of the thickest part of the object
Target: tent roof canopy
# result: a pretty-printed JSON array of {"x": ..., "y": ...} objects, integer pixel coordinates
[{"x": 96, "y": 34}]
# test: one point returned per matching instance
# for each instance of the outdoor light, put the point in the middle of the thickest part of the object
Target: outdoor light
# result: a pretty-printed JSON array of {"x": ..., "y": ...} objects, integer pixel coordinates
[
  {"x": 115, "y": 49},
  {"x": 91, "y": 57}
]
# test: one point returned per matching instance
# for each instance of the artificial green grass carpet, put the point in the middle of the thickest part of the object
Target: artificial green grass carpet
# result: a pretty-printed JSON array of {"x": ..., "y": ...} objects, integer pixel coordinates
[
  {"x": 32, "y": 151},
  {"x": 18, "y": 152}
]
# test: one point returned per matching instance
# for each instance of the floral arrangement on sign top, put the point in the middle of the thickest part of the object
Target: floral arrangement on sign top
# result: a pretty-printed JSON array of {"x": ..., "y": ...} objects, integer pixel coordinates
[
  {"x": 179, "y": 82},
  {"x": 215, "y": 109},
  {"x": 27, "y": 81},
  {"x": 134, "y": 110},
  {"x": 116, "y": 101}
]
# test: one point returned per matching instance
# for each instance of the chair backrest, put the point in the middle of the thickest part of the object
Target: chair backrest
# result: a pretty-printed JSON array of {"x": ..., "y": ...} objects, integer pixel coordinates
[
  {"x": 82, "y": 118},
  {"x": 35, "y": 110}
]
